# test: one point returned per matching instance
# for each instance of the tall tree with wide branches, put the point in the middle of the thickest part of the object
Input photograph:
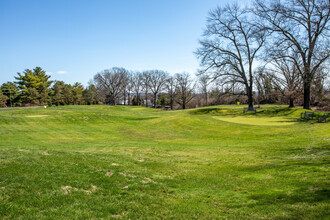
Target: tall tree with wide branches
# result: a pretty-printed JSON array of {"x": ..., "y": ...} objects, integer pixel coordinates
[
  {"x": 230, "y": 46},
  {"x": 137, "y": 85},
  {"x": 145, "y": 84},
  {"x": 184, "y": 87},
  {"x": 302, "y": 25},
  {"x": 157, "y": 80},
  {"x": 109, "y": 82}
]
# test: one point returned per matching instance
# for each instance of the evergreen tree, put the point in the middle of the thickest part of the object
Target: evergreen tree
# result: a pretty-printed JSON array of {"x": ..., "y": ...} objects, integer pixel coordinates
[
  {"x": 10, "y": 90},
  {"x": 3, "y": 99},
  {"x": 77, "y": 93},
  {"x": 34, "y": 83}
]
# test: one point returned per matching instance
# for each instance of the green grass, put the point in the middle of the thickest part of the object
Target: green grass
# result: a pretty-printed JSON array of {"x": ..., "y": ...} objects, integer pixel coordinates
[{"x": 82, "y": 162}]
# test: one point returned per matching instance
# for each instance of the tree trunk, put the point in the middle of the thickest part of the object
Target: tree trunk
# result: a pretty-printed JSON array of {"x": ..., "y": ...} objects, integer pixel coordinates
[
  {"x": 146, "y": 98},
  {"x": 291, "y": 105},
  {"x": 307, "y": 94},
  {"x": 129, "y": 98},
  {"x": 206, "y": 98},
  {"x": 124, "y": 97},
  {"x": 155, "y": 97},
  {"x": 250, "y": 98},
  {"x": 171, "y": 103}
]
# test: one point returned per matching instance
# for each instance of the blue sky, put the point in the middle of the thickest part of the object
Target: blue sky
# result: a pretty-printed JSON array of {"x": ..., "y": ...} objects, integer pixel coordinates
[{"x": 75, "y": 39}]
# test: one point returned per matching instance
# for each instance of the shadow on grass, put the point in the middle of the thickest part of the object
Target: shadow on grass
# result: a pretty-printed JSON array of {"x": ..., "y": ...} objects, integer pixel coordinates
[
  {"x": 138, "y": 118},
  {"x": 131, "y": 118},
  {"x": 216, "y": 111},
  {"x": 302, "y": 194}
]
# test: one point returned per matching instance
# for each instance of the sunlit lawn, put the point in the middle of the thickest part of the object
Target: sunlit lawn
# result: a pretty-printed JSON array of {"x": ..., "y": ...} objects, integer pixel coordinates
[{"x": 132, "y": 162}]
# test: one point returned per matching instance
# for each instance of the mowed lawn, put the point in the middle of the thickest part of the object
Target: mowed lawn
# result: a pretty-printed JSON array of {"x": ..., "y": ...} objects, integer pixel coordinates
[{"x": 85, "y": 162}]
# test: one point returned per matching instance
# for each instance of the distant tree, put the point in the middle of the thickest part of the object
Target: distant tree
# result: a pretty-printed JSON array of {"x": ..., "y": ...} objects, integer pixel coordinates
[
  {"x": 110, "y": 83},
  {"x": 266, "y": 86},
  {"x": 57, "y": 92},
  {"x": 162, "y": 99},
  {"x": 137, "y": 100},
  {"x": 203, "y": 82},
  {"x": 90, "y": 95},
  {"x": 230, "y": 46},
  {"x": 302, "y": 25},
  {"x": 170, "y": 88},
  {"x": 146, "y": 76},
  {"x": 129, "y": 85},
  {"x": 137, "y": 85},
  {"x": 32, "y": 96},
  {"x": 126, "y": 87},
  {"x": 3, "y": 99},
  {"x": 67, "y": 94},
  {"x": 156, "y": 82},
  {"x": 285, "y": 74},
  {"x": 10, "y": 90},
  {"x": 77, "y": 93},
  {"x": 184, "y": 89}
]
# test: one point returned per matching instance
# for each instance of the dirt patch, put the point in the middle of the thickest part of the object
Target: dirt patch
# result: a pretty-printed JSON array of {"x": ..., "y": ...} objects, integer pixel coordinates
[
  {"x": 68, "y": 189},
  {"x": 115, "y": 164},
  {"x": 22, "y": 150},
  {"x": 127, "y": 175},
  {"x": 109, "y": 173},
  {"x": 36, "y": 116},
  {"x": 95, "y": 168},
  {"x": 147, "y": 180}
]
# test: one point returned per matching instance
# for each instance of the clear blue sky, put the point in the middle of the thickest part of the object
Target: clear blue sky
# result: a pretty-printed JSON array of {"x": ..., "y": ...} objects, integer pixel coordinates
[{"x": 75, "y": 39}]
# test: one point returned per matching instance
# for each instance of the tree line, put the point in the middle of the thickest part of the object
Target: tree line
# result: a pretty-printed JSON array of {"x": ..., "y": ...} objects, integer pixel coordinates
[
  {"x": 34, "y": 87},
  {"x": 272, "y": 52},
  {"x": 111, "y": 86}
]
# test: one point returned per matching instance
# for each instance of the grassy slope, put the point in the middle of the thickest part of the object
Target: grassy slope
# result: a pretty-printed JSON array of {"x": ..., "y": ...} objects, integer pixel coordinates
[{"x": 132, "y": 162}]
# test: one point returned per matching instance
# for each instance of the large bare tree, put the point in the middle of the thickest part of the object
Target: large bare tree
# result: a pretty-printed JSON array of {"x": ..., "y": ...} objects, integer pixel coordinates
[
  {"x": 137, "y": 85},
  {"x": 184, "y": 89},
  {"x": 230, "y": 46},
  {"x": 109, "y": 82},
  {"x": 302, "y": 25},
  {"x": 126, "y": 87},
  {"x": 203, "y": 82},
  {"x": 285, "y": 71},
  {"x": 157, "y": 80},
  {"x": 170, "y": 88},
  {"x": 145, "y": 84}
]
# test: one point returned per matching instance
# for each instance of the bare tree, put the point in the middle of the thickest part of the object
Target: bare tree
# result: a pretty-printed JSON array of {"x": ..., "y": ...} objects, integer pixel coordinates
[
  {"x": 266, "y": 87},
  {"x": 302, "y": 25},
  {"x": 129, "y": 86},
  {"x": 110, "y": 82},
  {"x": 230, "y": 47},
  {"x": 204, "y": 81},
  {"x": 125, "y": 87},
  {"x": 156, "y": 82},
  {"x": 170, "y": 87},
  {"x": 184, "y": 89},
  {"x": 286, "y": 75},
  {"x": 145, "y": 84},
  {"x": 137, "y": 85}
]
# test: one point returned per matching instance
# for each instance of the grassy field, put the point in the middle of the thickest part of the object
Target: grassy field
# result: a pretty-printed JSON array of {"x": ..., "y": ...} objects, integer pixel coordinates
[{"x": 84, "y": 162}]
